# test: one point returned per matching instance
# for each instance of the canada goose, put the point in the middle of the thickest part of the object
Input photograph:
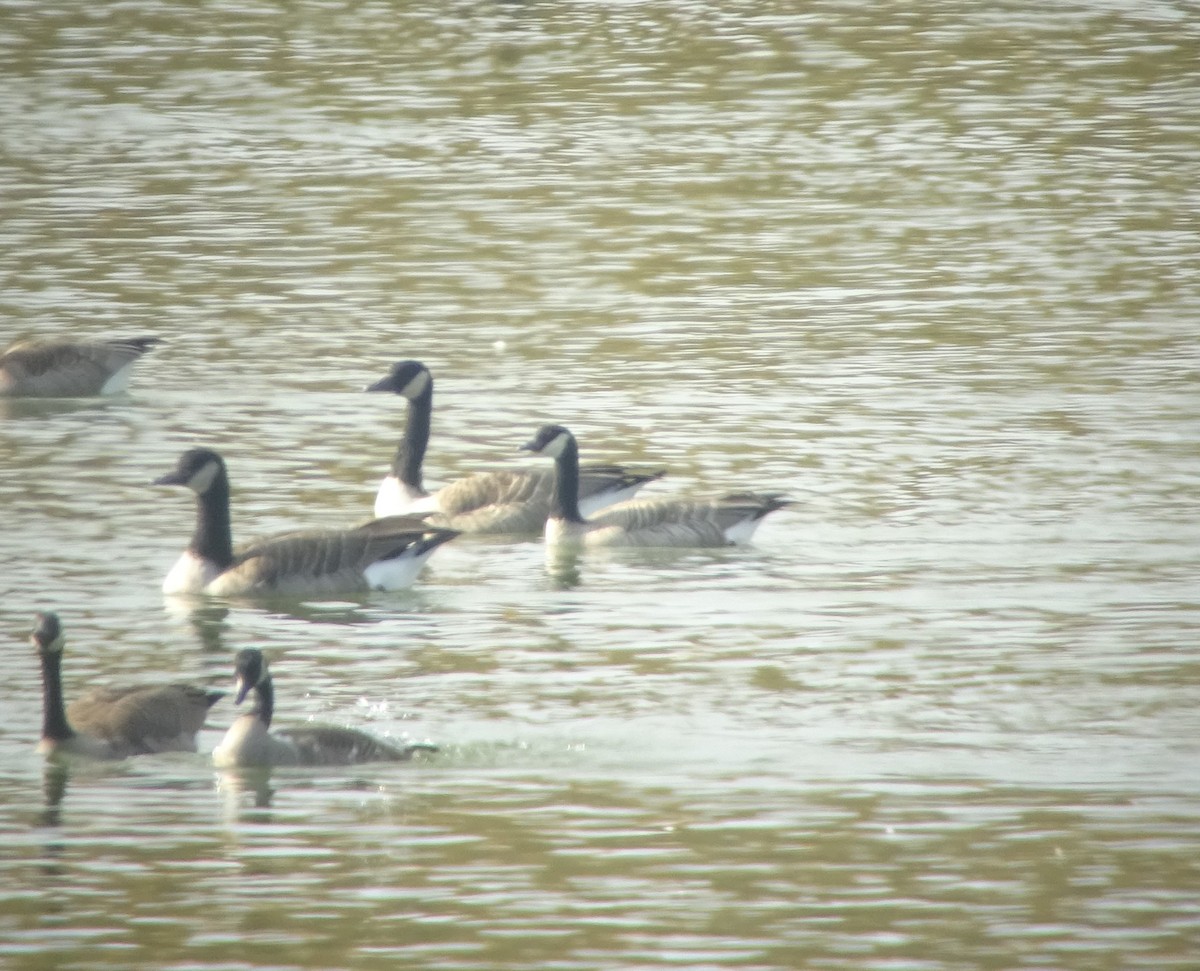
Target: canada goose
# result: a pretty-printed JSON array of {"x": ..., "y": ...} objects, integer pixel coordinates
[
  {"x": 662, "y": 522},
  {"x": 112, "y": 723},
  {"x": 70, "y": 369},
  {"x": 487, "y": 502},
  {"x": 250, "y": 741},
  {"x": 383, "y": 554}
]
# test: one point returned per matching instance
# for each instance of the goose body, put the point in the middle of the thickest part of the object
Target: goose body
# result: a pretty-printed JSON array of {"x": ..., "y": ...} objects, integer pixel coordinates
[
  {"x": 503, "y": 501},
  {"x": 382, "y": 554},
  {"x": 249, "y": 742},
  {"x": 730, "y": 519},
  {"x": 113, "y": 723},
  {"x": 70, "y": 369}
]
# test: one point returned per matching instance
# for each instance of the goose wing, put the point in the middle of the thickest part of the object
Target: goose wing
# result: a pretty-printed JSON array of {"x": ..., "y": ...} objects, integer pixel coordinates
[
  {"x": 331, "y": 745},
  {"x": 67, "y": 368},
  {"x": 738, "y": 506},
  {"x": 663, "y": 522},
  {"x": 144, "y": 718},
  {"x": 595, "y": 479},
  {"x": 506, "y": 501},
  {"x": 502, "y": 501},
  {"x": 310, "y": 561},
  {"x": 698, "y": 522}
]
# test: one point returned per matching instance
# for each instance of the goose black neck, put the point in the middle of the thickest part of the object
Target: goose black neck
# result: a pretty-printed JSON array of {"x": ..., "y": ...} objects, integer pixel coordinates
[
  {"x": 410, "y": 453},
  {"x": 213, "y": 539},
  {"x": 265, "y": 707},
  {"x": 54, "y": 715},
  {"x": 566, "y": 485}
]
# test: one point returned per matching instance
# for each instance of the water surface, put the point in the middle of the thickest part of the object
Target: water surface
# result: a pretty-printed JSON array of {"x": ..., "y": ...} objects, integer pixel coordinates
[{"x": 928, "y": 269}]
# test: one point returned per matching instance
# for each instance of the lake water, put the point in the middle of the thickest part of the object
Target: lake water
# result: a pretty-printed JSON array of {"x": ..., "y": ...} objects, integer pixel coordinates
[{"x": 931, "y": 269}]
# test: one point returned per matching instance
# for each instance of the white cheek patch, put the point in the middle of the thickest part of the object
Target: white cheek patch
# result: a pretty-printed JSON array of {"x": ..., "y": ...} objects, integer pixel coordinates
[
  {"x": 557, "y": 445},
  {"x": 203, "y": 480},
  {"x": 416, "y": 387}
]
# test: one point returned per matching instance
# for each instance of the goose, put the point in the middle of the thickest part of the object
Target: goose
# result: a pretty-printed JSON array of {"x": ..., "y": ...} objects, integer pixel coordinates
[
  {"x": 70, "y": 369},
  {"x": 503, "y": 501},
  {"x": 382, "y": 554},
  {"x": 662, "y": 522},
  {"x": 250, "y": 741},
  {"x": 113, "y": 723}
]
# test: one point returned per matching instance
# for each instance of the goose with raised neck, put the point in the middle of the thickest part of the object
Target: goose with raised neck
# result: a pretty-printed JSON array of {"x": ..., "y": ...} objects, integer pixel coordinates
[
  {"x": 113, "y": 722},
  {"x": 381, "y": 554},
  {"x": 501, "y": 501},
  {"x": 250, "y": 742},
  {"x": 723, "y": 521}
]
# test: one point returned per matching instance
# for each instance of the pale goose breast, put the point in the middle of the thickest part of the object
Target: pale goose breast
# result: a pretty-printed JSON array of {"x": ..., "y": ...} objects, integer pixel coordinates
[{"x": 250, "y": 742}]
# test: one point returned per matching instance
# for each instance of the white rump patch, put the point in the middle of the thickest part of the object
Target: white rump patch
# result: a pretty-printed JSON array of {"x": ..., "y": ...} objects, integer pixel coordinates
[
  {"x": 742, "y": 531},
  {"x": 119, "y": 381},
  {"x": 398, "y": 573}
]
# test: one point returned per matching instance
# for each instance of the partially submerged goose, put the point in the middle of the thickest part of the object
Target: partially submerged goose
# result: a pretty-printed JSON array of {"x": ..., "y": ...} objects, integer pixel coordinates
[
  {"x": 113, "y": 723},
  {"x": 250, "y": 741},
  {"x": 486, "y": 502},
  {"x": 661, "y": 522},
  {"x": 70, "y": 369},
  {"x": 383, "y": 554}
]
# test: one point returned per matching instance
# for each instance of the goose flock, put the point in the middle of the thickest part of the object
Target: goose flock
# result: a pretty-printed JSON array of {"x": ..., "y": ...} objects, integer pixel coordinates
[
  {"x": 382, "y": 554},
  {"x": 572, "y": 506}
]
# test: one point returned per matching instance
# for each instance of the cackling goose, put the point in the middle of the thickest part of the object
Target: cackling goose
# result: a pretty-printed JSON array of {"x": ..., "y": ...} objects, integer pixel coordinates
[{"x": 250, "y": 741}]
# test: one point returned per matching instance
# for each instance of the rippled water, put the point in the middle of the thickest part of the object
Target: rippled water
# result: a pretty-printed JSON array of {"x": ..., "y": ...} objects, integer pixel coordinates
[{"x": 929, "y": 269}]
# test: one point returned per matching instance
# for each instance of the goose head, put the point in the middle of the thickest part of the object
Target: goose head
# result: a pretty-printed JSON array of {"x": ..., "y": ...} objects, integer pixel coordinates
[
  {"x": 198, "y": 469},
  {"x": 47, "y": 634},
  {"x": 409, "y": 379},
  {"x": 552, "y": 440},
  {"x": 250, "y": 670}
]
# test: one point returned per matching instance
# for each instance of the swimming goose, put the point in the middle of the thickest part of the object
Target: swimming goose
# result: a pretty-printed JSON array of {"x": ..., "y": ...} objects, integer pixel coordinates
[
  {"x": 503, "y": 501},
  {"x": 70, "y": 369},
  {"x": 112, "y": 723},
  {"x": 383, "y": 554},
  {"x": 662, "y": 522},
  {"x": 250, "y": 741}
]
